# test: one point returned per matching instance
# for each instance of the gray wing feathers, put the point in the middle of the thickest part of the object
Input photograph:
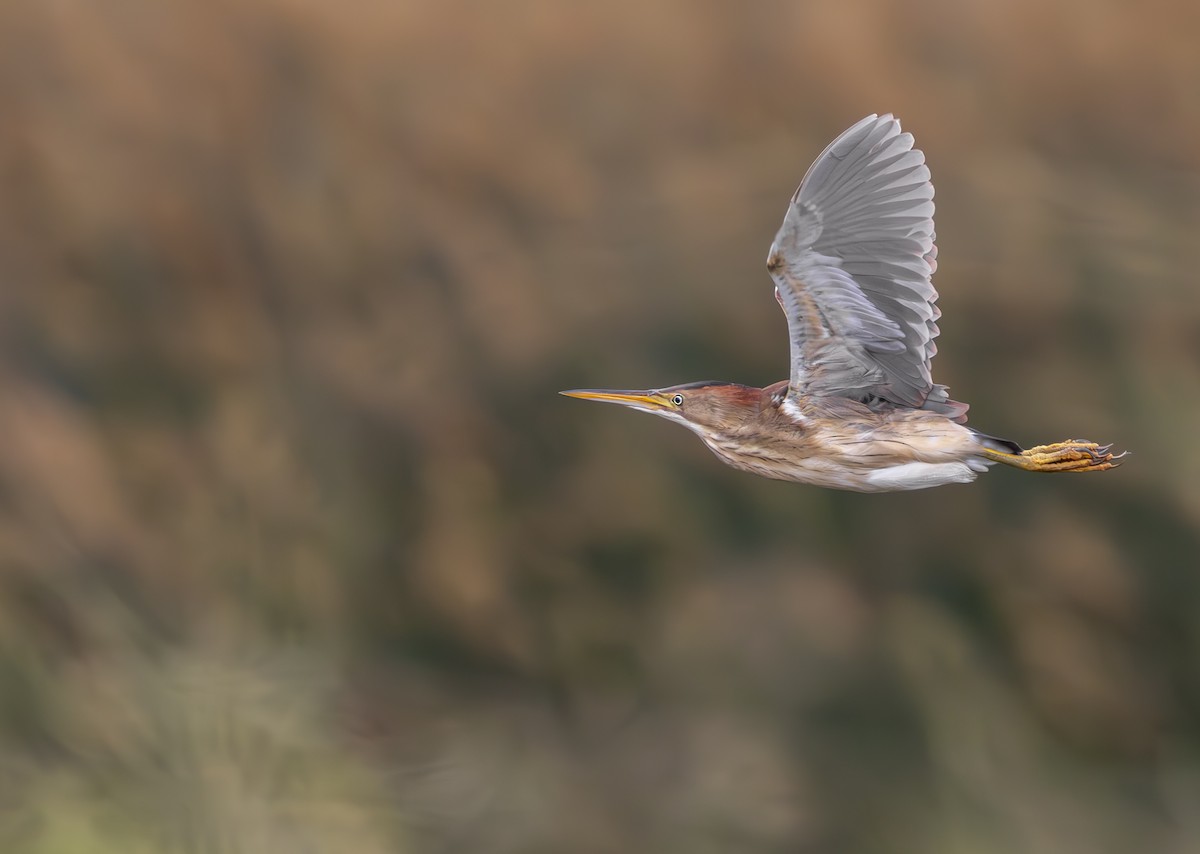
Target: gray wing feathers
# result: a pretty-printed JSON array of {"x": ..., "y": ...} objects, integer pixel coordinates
[{"x": 852, "y": 264}]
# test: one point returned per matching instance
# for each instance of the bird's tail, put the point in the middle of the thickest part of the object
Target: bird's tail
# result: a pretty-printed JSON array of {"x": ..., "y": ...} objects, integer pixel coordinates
[{"x": 995, "y": 443}]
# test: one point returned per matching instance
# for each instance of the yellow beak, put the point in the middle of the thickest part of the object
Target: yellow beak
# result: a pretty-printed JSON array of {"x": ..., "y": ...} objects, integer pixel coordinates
[{"x": 637, "y": 399}]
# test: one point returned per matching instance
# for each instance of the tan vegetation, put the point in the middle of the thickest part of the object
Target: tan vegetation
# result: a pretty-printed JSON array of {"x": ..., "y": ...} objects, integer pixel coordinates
[{"x": 300, "y": 551}]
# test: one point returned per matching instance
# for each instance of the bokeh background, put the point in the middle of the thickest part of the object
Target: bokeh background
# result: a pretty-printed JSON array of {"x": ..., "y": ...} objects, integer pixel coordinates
[{"x": 301, "y": 552}]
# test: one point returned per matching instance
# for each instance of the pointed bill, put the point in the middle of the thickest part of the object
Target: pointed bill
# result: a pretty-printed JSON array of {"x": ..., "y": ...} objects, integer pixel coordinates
[{"x": 644, "y": 399}]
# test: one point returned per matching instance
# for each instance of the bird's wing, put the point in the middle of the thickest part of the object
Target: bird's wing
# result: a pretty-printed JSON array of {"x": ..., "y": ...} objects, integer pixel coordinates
[{"x": 852, "y": 265}]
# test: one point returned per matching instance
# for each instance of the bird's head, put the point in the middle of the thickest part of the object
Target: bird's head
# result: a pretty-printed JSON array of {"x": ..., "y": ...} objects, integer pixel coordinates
[{"x": 708, "y": 408}]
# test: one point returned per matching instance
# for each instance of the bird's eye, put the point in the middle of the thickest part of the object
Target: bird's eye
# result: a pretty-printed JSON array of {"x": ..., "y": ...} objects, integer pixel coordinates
[{"x": 677, "y": 400}]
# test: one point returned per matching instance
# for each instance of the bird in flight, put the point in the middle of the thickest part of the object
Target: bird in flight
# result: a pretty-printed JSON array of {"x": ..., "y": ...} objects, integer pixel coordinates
[{"x": 852, "y": 264}]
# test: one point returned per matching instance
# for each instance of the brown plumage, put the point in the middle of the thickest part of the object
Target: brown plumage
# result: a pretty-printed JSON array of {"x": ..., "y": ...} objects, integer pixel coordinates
[{"x": 852, "y": 265}]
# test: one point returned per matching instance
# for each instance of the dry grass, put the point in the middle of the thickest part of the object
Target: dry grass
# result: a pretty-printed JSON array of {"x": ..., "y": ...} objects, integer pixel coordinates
[{"x": 300, "y": 551}]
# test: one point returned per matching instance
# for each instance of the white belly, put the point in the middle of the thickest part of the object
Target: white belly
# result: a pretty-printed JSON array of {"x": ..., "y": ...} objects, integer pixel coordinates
[{"x": 919, "y": 476}]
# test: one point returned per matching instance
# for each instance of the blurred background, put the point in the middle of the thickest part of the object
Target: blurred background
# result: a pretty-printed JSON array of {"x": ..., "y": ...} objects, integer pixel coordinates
[{"x": 300, "y": 550}]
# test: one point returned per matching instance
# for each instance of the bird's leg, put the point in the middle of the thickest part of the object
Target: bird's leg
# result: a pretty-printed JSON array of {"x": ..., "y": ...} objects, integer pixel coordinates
[{"x": 1071, "y": 455}]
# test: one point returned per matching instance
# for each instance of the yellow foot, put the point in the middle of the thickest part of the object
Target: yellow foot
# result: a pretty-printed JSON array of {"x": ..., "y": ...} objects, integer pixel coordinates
[{"x": 1071, "y": 455}]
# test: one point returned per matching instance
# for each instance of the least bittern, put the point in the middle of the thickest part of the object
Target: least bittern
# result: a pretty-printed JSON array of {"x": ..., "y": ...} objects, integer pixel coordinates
[{"x": 852, "y": 264}]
